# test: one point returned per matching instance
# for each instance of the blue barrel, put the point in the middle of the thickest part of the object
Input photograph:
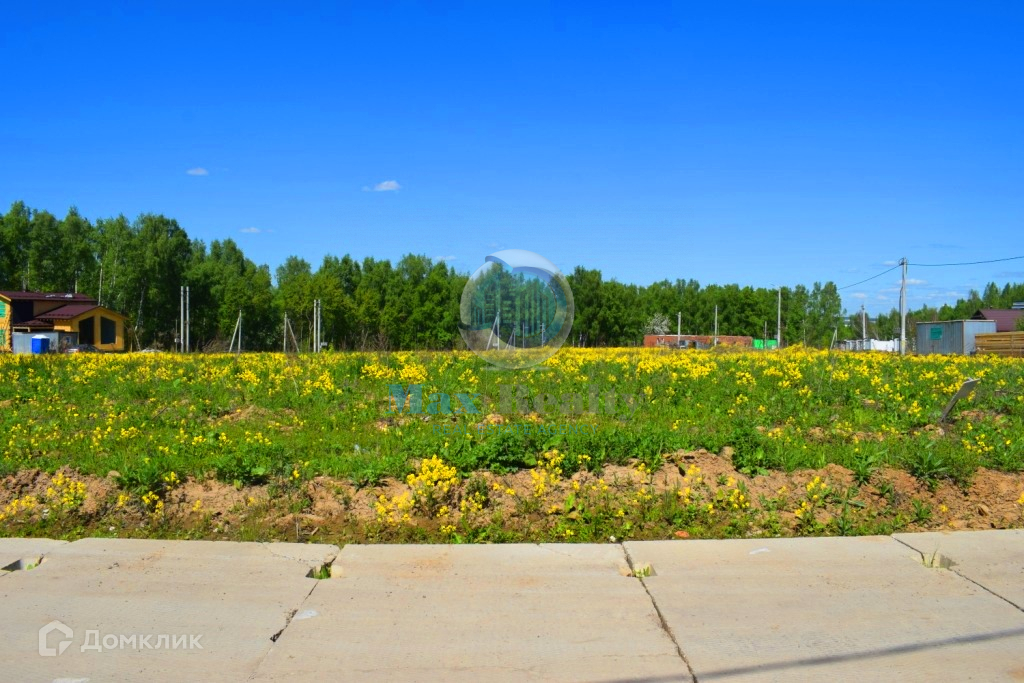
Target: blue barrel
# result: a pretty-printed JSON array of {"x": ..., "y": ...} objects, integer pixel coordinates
[{"x": 40, "y": 344}]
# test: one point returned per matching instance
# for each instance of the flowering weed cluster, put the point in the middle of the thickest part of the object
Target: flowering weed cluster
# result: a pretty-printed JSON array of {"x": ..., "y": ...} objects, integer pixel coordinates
[{"x": 65, "y": 493}]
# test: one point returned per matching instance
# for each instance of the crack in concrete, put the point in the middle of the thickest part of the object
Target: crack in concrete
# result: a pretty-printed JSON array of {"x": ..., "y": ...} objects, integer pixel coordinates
[
  {"x": 287, "y": 622},
  {"x": 661, "y": 617},
  {"x": 964, "y": 577},
  {"x": 553, "y": 549},
  {"x": 328, "y": 558}
]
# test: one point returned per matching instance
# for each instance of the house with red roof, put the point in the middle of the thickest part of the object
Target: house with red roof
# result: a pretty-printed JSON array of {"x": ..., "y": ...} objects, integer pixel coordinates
[
  {"x": 1006, "y": 318},
  {"x": 73, "y": 316}
]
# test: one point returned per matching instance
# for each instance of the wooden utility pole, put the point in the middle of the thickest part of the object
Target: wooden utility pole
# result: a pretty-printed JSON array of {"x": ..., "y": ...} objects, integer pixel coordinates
[
  {"x": 903, "y": 309},
  {"x": 238, "y": 333}
]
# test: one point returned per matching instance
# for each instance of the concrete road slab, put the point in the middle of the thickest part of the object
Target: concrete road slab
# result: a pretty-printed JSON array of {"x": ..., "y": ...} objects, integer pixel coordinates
[
  {"x": 993, "y": 559},
  {"x": 21, "y": 553},
  {"x": 477, "y": 613},
  {"x": 234, "y": 596},
  {"x": 857, "y": 609}
]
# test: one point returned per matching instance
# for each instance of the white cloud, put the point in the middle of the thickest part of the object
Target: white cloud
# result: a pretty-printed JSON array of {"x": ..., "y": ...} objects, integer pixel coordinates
[
  {"x": 859, "y": 295},
  {"x": 386, "y": 186},
  {"x": 913, "y": 281},
  {"x": 890, "y": 263},
  {"x": 445, "y": 258},
  {"x": 198, "y": 170},
  {"x": 254, "y": 231}
]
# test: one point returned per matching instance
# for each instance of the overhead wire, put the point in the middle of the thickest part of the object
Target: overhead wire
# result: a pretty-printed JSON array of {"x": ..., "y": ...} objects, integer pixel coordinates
[
  {"x": 870, "y": 278},
  {"x": 966, "y": 263},
  {"x": 931, "y": 265}
]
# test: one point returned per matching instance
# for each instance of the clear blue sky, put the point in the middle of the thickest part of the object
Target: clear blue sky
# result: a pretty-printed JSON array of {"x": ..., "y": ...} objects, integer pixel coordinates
[{"x": 752, "y": 142}]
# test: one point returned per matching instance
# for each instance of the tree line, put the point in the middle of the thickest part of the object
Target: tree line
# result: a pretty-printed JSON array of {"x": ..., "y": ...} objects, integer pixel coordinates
[{"x": 137, "y": 267}]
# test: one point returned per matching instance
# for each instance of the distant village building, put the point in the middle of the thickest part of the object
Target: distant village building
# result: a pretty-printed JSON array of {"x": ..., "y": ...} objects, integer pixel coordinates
[
  {"x": 1006, "y": 340},
  {"x": 1006, "y": 318},
  {"x": 885, "y": 345},
  {"x": 65, "y": 319},
  {"x": 696, "y": 341}
]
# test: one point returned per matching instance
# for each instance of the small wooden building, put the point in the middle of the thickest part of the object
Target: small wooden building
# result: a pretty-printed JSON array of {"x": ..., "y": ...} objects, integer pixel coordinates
[{"x": 77, "y": 314}]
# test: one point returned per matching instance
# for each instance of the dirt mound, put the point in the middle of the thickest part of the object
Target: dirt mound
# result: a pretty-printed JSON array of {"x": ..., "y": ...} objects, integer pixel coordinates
[
  {"x": 535, "y": 505},
  {"x": 52, "y": 490},
  {"x": 214, "y": 498}
]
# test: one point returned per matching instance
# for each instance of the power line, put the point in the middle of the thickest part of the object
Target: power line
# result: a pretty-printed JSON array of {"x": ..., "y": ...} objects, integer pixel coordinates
[
  {"x": 870, "y": 278},
  {"x": 967, "y": 263}
]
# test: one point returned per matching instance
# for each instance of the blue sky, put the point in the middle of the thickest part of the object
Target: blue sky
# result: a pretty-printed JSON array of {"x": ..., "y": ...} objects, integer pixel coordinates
[{"x": 752, "y": 142}]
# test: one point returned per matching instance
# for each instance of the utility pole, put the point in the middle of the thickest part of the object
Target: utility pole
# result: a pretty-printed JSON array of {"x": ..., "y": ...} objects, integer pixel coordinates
[
  {"x": 236, "y": 333},
  {"x": 188, "y": 320},
  {"x": 716, "y": 325},
  {"x": 679, "y": 328},
  {"x": 765, "y": 337},
  {"x": 778, "y": 322},
  {"x": 284, "y": 335},
  {"x": 903, "y": 309},
  {"x": 863, "y": 323},
  {"x": 290, "y": 331},
  {"x": 181, "y": 321}
]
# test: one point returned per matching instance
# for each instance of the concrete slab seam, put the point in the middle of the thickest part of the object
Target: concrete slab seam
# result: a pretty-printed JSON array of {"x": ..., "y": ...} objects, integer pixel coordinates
[
  {"x": 661, "y": 617},
  {"x": 966, "y": 578},
  {"x": 287, "y": 622}
]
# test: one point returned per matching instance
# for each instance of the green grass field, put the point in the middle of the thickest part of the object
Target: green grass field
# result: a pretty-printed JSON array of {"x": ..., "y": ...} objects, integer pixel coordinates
[{"x": 148, "y": 423}]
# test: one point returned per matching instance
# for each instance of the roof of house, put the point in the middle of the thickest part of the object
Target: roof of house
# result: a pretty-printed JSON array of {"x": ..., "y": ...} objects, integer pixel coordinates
[
  {"x": 34, "y": 325},
  {"x": 45, "y": 296},
  {"x": 46, "y": 320},
  {"x": 67, "y": 312},
  {"x": 1006, "y": 319}
]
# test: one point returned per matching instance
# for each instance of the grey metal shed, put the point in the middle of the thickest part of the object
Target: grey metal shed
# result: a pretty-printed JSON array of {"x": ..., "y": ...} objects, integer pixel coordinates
[{"x": 951, "y": 336}]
